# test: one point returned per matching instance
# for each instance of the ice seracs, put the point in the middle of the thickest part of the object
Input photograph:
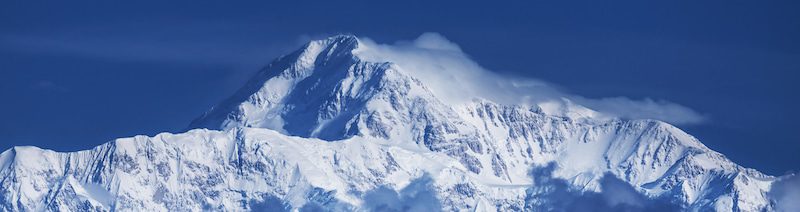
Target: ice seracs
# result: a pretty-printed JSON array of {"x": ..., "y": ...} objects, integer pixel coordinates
[{"x": 323, "y": 127}]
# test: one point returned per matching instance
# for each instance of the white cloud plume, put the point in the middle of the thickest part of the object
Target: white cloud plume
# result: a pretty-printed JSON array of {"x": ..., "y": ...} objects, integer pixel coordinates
[
  {"x": 454, "y": 76},
  {"x": 419, "y": 195},
  {"x": 643, "y": 109},
  {"x": 785, "y": 192},
  {"x": 549, "y": 193}
]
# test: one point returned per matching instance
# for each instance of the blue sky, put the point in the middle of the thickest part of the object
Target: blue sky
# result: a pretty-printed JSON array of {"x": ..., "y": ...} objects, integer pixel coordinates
[{"x": 75, "y": 75}]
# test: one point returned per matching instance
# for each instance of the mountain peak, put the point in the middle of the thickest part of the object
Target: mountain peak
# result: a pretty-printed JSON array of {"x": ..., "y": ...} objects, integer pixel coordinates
[
  {"x": 344, "y": 37},
  {"x": 324, "y": 126},
  {"x": 309, "y": 80},
  {"x": 327, "y": 91},
  {"x": 340, "y": 43}
]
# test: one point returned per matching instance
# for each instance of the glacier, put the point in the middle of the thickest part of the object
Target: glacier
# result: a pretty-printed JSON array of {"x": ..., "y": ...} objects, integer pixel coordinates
[{"x": 331, "y": 127}]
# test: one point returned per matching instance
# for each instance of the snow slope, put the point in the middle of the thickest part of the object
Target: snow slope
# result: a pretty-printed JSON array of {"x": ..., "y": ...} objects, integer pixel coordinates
[{"x": 324, "y": 127}]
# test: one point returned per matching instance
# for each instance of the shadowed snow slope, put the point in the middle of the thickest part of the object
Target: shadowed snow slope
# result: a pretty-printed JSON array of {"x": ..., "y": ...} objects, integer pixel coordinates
[{"x": 324, "y": 128}]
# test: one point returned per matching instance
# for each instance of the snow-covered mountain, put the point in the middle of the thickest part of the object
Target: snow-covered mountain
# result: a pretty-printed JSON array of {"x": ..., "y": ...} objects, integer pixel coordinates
[{"x": 329, "y": 128}]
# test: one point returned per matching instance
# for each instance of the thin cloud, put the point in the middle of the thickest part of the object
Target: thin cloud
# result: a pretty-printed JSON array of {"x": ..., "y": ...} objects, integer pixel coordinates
[
  {"x": 202, "y": 44},
  {"x": 46, "y": 85}
]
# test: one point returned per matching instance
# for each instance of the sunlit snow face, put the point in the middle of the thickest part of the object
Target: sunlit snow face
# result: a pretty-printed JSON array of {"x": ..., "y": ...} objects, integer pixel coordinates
[{"x": 455, "y": 78}]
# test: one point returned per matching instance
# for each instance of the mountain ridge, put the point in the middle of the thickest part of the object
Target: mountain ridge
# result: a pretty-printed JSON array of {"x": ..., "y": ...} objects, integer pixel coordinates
[{"x": 326, "y": 95}]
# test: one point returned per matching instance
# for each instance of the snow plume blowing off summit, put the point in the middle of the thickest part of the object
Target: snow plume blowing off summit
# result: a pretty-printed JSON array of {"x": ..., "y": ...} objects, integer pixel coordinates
[
  {"x": 347, "y": 124},
  {"x": 456, "y": 78}
]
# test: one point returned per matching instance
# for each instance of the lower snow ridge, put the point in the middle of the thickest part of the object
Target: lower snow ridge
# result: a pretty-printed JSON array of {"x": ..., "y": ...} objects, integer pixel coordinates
[{"x": 260, "y": 169}]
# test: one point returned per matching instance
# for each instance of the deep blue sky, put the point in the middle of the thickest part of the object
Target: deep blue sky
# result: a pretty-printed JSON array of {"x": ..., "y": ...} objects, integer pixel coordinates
[{"x": 75, "y": 75}]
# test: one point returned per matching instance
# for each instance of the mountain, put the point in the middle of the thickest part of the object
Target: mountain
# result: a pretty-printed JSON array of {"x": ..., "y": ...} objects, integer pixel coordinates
[{"x": 325, "y": 128}]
